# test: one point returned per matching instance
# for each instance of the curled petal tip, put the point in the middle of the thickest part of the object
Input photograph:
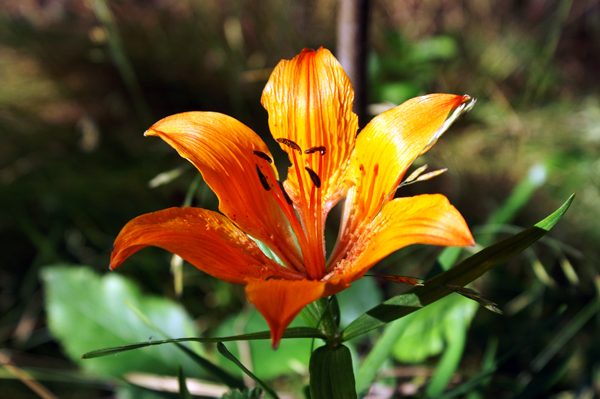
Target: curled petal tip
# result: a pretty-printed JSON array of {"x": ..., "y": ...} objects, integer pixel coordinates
[{"x": 466, "y": 98}]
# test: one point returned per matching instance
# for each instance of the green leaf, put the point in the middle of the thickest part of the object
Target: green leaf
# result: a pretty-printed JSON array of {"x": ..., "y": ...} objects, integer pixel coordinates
[
  {"x": 211, "y": 368},
  {"x": 291, "y": 357},
  {"x": 331, "y": 374},
  {"x": 183, "y": 391},
  {"x": 269, "y": 391},
  {"x": 417, "y": 336},
  {"x": 130, "y": 391},
  {"x": 492, "y": 365},
  {"x": 360, "y": 297},
  {"x": 312, "y": 314},
  {"x": 297, "y": 332},
  {"x": 455, "y": 344},
  {"x": 423, "y": 334},
  {"x": 473, "y": 295},
  {"x": 519, "y": 197},
  {"x": 86, "y": 311},
  {"x": 461, "y": 275},
  {"x": 249, "y": 393}
]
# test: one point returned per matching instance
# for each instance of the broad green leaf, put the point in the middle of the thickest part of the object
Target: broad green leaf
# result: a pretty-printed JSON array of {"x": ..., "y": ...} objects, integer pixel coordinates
[
  {"x": 331, "y": 374},
  {"x": 183, "y": 391},
  {"x": 87, "y": 311},
  {"x": 461, "y": 275},
  {"x": 265, "y": 387},
  {"x": 424, "y": 334},
  {"x": 248, "y": 393}
]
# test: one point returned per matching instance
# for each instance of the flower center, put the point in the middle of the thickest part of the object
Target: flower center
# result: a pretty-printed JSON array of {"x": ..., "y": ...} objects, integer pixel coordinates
[{"x": 309, "y": 229}]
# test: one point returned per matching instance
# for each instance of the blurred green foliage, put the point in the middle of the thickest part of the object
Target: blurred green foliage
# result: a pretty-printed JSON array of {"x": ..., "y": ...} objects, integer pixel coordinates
[
  {"x": 80, "y": 83},
  {"x": 87, "y": 311}
]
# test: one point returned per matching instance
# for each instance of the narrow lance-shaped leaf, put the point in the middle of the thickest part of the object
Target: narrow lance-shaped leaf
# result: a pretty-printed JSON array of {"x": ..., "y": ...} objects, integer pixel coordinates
[
  {"x": 295, "y": 332},
  {"x": 213, "y": 369},
  {"x": 475, "y": 296},
  {"x": 461, "y": 275},
  {"x": 269, "y": 391},
  {"x": 217, "y": 372}
]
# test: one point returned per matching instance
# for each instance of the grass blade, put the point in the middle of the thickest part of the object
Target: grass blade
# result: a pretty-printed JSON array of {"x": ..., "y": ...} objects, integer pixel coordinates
[
  {"x": 294, "y": 332},
  {"x": 217, "y": 372},
  {"x": 491, "y": 367},
  {"x": 269, "y": 391},
  {"x": 183, "y": 391}
]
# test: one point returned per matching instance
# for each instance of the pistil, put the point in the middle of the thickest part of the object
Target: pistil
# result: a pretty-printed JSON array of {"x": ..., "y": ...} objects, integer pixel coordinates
[{"x": 284, "y": 203}]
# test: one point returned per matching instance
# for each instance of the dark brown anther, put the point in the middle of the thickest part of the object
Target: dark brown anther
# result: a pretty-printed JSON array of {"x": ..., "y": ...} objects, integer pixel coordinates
[
  {"x": 290, "y": 144},
  {"x": 314, "y": 177},
  {"x": 285, "y": 194},
  {"x": 263, "y": 179},
  {"x": 262, "y": 155},
  {"x": 320, "y": 148}
]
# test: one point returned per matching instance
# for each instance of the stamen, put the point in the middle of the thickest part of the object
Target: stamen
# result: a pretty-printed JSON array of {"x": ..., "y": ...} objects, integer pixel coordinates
[
  {"x": 314, "y": 177},
  {"x": 279, "y": 195},
  {"x": 320, "y": 148},
  {"x": 285, "y": 194},
  {"x": 290, "y": 144},
  {"x": 262, "y": 155},
  {"x": 263, "y": 179}
]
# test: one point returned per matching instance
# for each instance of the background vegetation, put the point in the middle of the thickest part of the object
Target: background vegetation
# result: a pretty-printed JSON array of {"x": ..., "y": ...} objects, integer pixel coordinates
[{"x": 80, "y": 81}]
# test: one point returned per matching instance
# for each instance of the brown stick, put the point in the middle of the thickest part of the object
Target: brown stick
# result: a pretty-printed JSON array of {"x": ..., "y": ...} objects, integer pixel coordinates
[{"x": 352, "y": 50}]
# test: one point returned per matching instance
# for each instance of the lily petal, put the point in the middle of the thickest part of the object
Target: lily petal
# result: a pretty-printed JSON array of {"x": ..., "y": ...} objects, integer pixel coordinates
[
  {"x": 309, "y": 100},
  {"x": 280, "y": 301},
  {"x": 204, "y": 238},
  {"x": 222, "y": 149},
  {"x": 423, "y": 219},
  {"x": 384, "y": 150}
]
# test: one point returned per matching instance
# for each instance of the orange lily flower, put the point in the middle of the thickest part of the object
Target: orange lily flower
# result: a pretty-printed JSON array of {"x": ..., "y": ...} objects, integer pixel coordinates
[{"x": 309, "y": 101}]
